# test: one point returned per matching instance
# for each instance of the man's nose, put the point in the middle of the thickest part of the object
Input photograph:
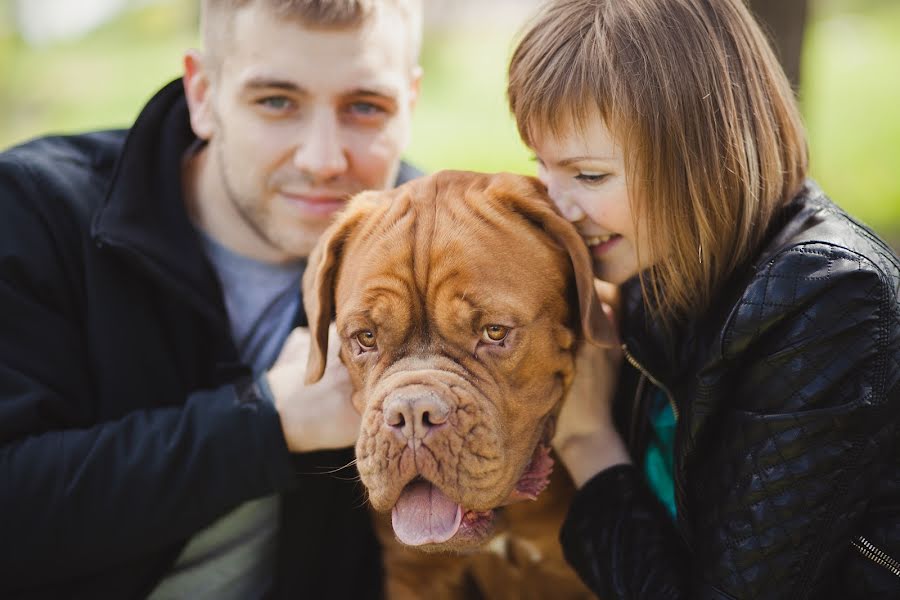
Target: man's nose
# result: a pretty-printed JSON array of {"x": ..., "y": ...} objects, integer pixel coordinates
[
  {"x": 413, "y": 411},
  {"x": 321, "y": 154}
]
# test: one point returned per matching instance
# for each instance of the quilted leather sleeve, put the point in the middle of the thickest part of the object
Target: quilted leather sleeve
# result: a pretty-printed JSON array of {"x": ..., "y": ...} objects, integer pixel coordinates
[
  {"x": 810, "y": 397},
  {"x": 620, "y": 540},
  {"x": 803, "y": 400}
]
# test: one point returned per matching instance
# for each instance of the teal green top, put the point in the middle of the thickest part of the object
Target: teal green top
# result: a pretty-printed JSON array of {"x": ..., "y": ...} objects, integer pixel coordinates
[{"x": 659, "y": 459}]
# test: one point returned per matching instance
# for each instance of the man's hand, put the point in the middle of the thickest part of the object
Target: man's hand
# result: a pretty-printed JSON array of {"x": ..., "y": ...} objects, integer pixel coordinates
[
  {"x": 318, "y": 416},
  {"x": 586, "y": 440}
]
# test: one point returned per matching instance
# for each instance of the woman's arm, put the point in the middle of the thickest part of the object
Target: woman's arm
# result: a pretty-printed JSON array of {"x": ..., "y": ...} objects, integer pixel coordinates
[{"x": 803, "y": 402}]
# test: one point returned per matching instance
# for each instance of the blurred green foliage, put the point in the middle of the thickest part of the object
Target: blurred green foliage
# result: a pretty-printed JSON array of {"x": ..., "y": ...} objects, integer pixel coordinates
[
  {"x": 850, "y": 91},
  {"x": 850, "y": 98},
  {"x": 99, "y": 81}
]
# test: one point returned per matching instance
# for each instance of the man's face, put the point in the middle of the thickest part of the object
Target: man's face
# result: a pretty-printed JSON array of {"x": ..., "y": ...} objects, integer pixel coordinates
[{"x": 297, "y": 121}]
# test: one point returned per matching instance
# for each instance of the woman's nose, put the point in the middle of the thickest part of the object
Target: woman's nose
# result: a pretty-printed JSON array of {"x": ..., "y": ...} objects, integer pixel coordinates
[
  {"x": 567, "y": 207},
  {"x": 570, "y": 210}
]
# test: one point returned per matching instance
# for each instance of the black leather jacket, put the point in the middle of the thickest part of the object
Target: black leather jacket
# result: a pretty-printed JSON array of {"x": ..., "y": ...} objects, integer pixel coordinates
[{"x": 787, "y": 395}]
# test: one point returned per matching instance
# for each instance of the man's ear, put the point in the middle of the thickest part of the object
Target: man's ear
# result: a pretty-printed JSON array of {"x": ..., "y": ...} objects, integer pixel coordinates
[
  {"x": 415, "y": 85},
  {"x": 197, "y": 90}
]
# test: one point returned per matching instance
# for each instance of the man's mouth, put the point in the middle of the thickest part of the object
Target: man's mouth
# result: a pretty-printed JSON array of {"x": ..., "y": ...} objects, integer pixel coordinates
[
  {"x": 425, "y": 515},
  {"x": 325, "y": 204}
]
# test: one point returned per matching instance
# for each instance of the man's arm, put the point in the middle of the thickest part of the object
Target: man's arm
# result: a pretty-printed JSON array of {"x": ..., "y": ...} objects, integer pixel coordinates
[
  {"x": 78, "y": 500},
  {"x": 78, "y": 494}
]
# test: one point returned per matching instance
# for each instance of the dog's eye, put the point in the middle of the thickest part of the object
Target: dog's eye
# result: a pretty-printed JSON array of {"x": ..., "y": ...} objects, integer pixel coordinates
[
  {"x": 495, "y": 333},
  {"x": 366, "y": 339}
]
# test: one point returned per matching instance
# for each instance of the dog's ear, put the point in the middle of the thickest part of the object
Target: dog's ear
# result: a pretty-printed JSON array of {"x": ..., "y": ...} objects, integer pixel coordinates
[
  {"x": 320, "y": 278},
  {"x": 534, "y": 203}
]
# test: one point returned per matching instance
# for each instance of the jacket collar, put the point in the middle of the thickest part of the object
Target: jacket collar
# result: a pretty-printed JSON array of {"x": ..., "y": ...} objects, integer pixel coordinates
[
  {"x": 668, "y": 355},
  {"x": 144, "y": 213},
  {"x": 657, "y": 351}
]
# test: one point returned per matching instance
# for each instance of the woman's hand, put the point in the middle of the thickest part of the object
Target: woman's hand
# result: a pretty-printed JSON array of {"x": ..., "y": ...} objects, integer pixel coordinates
[{"x": 586, "y": 440}]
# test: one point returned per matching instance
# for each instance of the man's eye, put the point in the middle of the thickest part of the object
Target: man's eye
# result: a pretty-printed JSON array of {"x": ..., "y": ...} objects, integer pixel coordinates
[
  {"x": 277, "y": 103},
  {"x": 366, "y": 112},
  {"x": 366, "y": 108}
]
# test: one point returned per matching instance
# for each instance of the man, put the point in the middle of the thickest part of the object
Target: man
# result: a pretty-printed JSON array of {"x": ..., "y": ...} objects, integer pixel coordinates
[{"x": 148, "y": 278}]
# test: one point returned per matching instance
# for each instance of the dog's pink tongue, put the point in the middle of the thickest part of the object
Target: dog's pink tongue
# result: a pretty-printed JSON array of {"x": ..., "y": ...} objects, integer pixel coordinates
[{"x": 424, "y": 515}]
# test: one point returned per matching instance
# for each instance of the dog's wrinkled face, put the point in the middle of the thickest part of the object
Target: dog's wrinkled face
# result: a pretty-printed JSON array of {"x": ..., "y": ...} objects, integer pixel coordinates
[{"x": 454, "y": 298}]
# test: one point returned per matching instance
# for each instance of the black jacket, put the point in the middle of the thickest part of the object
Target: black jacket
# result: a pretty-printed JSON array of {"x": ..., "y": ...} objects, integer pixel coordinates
[
  {"x": 787, "y": 395},
  {"x": 127, "y": 423}
]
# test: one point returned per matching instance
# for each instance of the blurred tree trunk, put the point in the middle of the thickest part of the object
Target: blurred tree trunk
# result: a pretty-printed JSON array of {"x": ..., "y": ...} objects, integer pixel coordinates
[{"x": 785, "y": 22}]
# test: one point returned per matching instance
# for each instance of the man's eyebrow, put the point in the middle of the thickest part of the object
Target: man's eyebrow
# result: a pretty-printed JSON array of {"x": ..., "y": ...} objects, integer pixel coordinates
[
  {"x": 255, "y": 83},
  {"x": 370, "y": 91},
  {"x": 262, "y": 82}
]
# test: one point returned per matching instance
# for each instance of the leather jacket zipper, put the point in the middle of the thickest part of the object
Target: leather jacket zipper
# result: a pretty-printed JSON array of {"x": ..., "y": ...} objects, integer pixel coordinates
[
  {"x": 637, "y": 412},
  {"x": 877, "y": 556},
  {"x": 634, "y": 363}
]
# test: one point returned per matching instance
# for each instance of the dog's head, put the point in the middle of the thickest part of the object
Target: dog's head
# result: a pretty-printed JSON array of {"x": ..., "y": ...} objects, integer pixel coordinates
[{"x": 459, "y": 299}]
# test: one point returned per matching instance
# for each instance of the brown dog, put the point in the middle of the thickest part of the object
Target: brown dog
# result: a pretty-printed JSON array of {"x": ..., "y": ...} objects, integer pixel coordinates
[{"x": 459, "y": 299}]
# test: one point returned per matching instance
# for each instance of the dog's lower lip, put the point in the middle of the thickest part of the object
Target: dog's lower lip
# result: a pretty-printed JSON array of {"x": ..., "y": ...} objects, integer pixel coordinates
[{"x": 476, "y": 518}]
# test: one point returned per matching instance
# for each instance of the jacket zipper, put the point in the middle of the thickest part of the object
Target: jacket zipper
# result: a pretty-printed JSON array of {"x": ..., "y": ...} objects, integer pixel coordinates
[
  {"x": 634, "y": 363},
  {"x": 646, "y": 376},
  {"x": 877, "y": 556}
]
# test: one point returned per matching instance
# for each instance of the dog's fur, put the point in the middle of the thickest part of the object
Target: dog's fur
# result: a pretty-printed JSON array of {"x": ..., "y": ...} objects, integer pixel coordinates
[{"x": 424, "y": 273}]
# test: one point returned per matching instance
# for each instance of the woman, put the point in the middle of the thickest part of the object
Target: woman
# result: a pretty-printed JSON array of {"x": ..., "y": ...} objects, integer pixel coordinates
[{"x": 747, "y": 445}]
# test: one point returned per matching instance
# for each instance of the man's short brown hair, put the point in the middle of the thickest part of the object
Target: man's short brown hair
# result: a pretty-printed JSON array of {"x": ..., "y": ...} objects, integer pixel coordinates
[{"x": 314, "y": 14}]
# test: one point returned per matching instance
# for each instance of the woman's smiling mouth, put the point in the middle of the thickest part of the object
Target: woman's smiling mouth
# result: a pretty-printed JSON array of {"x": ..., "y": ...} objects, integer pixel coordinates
[{"x": 600, "y": 244}]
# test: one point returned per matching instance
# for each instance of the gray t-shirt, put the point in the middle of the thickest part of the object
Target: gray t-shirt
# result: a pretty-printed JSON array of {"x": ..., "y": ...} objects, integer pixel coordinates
[
  {"x": 234, "y": 556},
  {"x": 262, "y": 300}
]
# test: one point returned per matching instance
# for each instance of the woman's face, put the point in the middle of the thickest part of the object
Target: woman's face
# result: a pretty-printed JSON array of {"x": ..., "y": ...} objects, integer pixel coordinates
[{"x": 584, "y": 171}]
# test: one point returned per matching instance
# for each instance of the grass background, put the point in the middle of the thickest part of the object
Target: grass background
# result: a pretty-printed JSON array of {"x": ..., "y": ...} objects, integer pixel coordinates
[{"x": 850, "y": 92}]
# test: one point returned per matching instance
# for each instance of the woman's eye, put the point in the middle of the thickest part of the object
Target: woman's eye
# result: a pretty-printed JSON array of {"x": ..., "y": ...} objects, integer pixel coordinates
[
  {"x": 591, "y": 177},
  {"x": 494, "y": 333}
]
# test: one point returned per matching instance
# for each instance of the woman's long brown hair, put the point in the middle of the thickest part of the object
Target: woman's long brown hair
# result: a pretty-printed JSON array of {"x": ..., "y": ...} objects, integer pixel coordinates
[{"x": 693, "y": 92}]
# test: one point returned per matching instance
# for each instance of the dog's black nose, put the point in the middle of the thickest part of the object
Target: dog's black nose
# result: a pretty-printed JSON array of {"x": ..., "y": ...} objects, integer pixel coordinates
[{"x": 414, "y": 410}]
